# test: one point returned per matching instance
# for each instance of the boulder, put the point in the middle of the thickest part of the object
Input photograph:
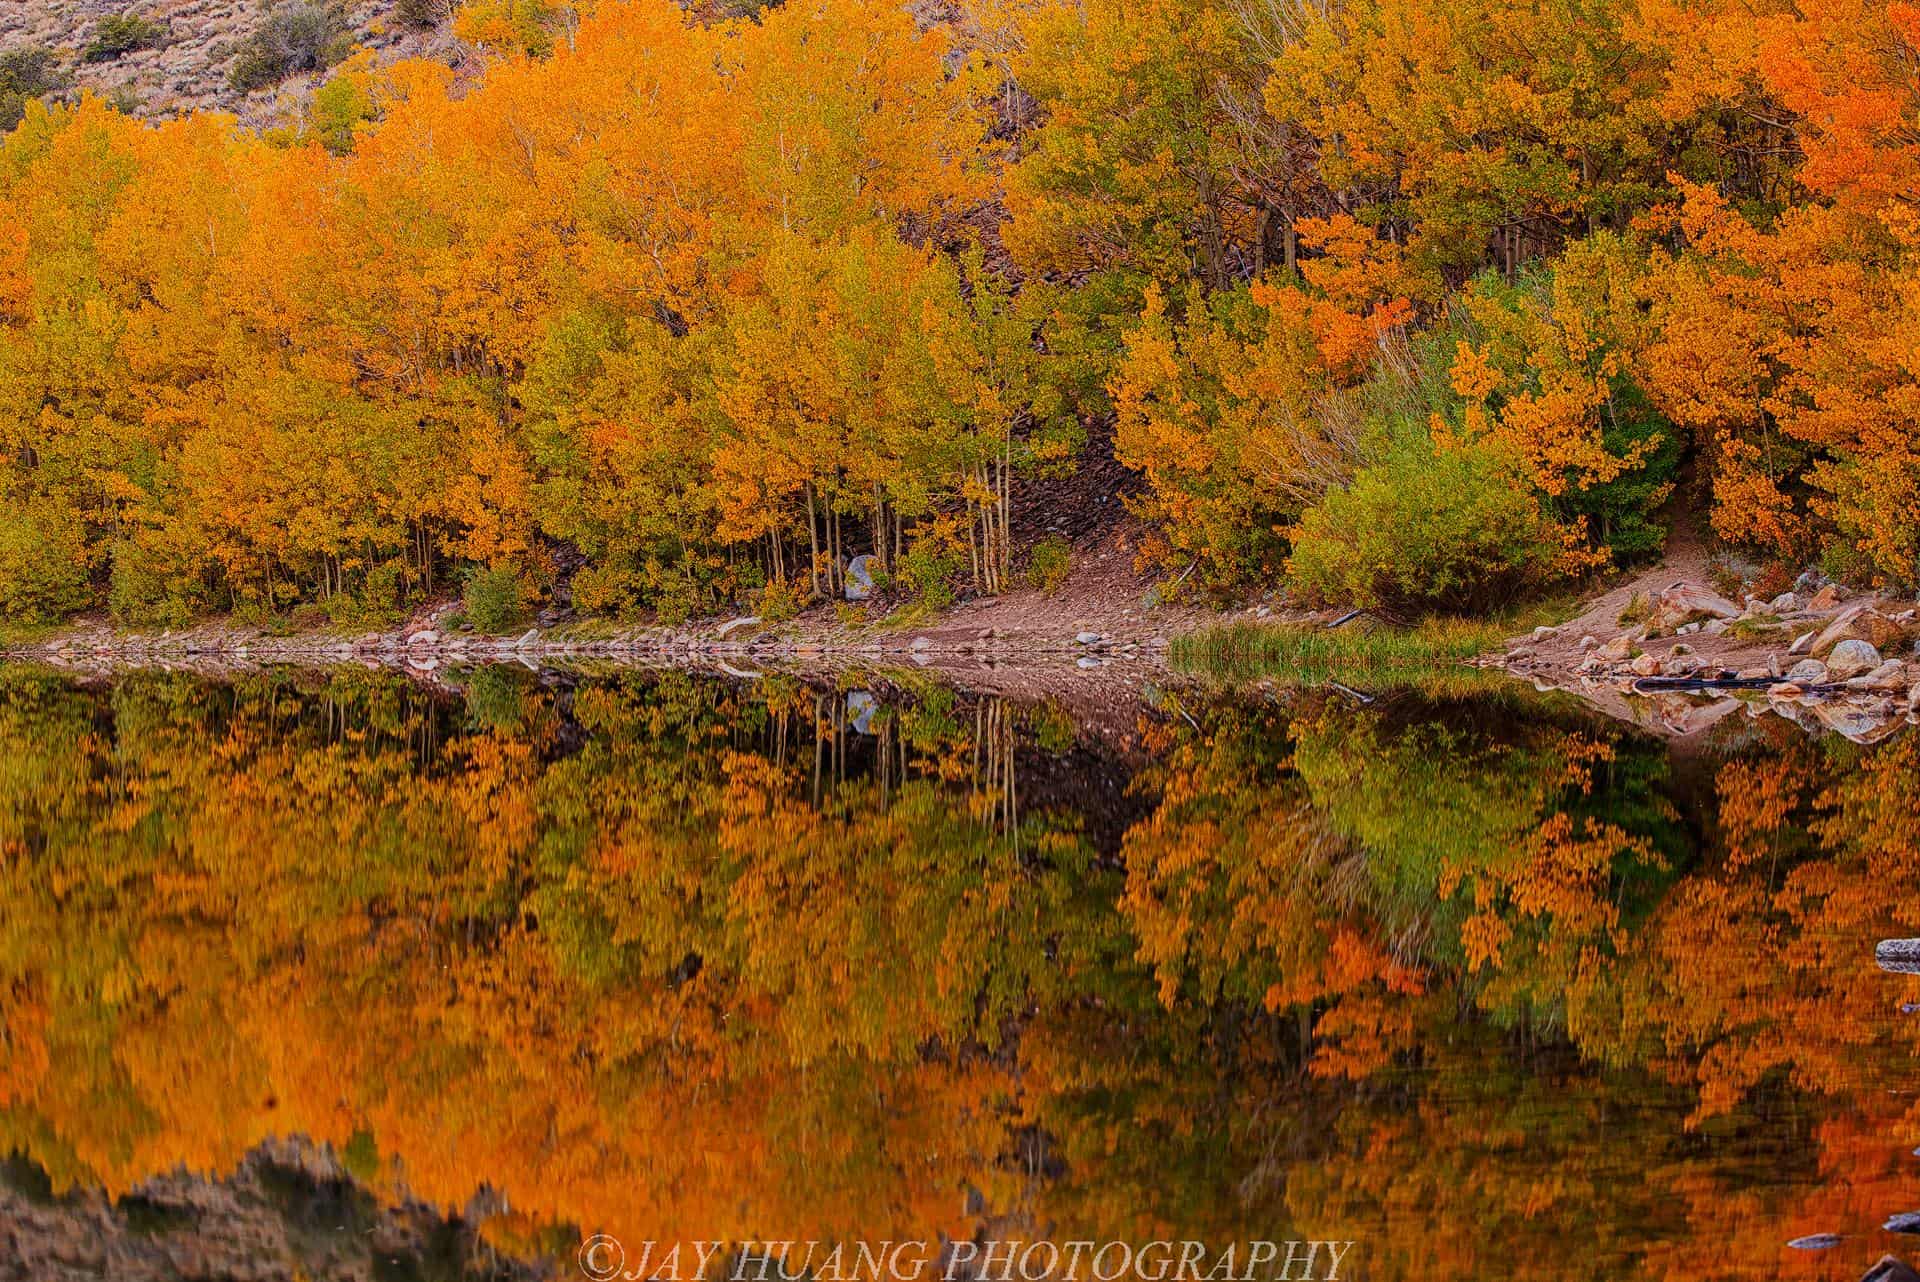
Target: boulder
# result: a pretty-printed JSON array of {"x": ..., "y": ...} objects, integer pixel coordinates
[
  {"x": 1688, "y": 603},
  {"x": 421, "y": 639},
  {"x": 1860, "y": 623},
  {"x": 1891, "y": 675},
  {"x": 1852, "y": 659},
  {"x": 1621, "y": 647},
  {"x": 1647, "y": 665},
  {"x": 1682, "y": 665},
  {"x": 860, "y": 577},
  {"x": 1827, "y": 598},
  {"x": 1802, "y": 643},
  {"x": 1784, "y": 602},
  {"x": 1807, "y": 672}
]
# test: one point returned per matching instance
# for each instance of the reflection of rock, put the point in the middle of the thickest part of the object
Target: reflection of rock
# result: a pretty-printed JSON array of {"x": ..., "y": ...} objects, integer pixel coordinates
[
  {"x": 1901, "y": 956},
  {"x": 1905, "y": 1221},
  {"x": 860, "y": 709},
  {"x": 1816, "y": 1242}
]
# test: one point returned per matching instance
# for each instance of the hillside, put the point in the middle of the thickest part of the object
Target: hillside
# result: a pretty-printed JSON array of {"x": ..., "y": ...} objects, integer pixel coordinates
[{"x": 188, "y": 64}]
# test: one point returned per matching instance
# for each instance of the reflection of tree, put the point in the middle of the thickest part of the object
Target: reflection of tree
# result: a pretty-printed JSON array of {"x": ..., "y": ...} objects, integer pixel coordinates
[{"x": 671, "y": 959}]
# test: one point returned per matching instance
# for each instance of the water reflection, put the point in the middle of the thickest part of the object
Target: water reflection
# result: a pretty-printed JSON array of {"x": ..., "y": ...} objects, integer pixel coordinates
[{"x": 1489, "y": 987}]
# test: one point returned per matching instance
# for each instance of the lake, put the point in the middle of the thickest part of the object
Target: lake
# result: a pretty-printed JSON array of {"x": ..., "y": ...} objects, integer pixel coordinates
[{"x": 338, "y": 974}]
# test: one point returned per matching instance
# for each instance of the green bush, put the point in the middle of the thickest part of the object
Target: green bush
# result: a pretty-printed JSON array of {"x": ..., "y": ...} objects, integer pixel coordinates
[
  {"x": 25, "y": 74},
  {"x": 297, "y": 36},
  {"x": 1048, "y": 563},
  {"x": 420, "y": 14},
  {"x": 931, "y": 563},
  {"x": 496, "y": 601},
  {"x": 119, "y": 33},
  {"x": 43, "y": 570},
  {"x": 1427, "y": 529}
]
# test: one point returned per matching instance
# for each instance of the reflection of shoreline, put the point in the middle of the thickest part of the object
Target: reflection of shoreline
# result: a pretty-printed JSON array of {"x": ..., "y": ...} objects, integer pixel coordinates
[{"x": 647, "y": 953}]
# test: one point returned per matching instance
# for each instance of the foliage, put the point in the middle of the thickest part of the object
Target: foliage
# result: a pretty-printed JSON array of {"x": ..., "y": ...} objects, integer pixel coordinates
[
  {"x": 496, "y": 600},
  {"x": 26, "y": 72},
  {"x": 1450, "y": 528},
  {"x": 119, "y": 33},
  {"x": 1048, "y": 563},
  {"x": 294, "y": 36}
]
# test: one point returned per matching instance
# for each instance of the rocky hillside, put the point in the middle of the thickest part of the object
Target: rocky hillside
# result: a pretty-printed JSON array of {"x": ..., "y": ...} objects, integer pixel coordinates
[{"x": 184, "y": 53}]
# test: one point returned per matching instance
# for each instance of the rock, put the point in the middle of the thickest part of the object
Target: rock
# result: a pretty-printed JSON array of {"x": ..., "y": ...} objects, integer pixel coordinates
[
  {"x": 1542, "y": 633},
  {"x": 1807, "y": 582},
  {"x": 1913, "y": 699},
  {"x": 920, "y": 645},
  {"x": 1861, "y": 623},
  {"x": 1089, "y": 661},
  {"x": 861, "y": 705},
  {"x": 1680, "y": 666},
  {"x": 1089, "y": 638},
  {"x": 1687, "y": 602},
  {"x": 1784, "y": 690},
  {"x": 1802, "y": 643},
  {"x": 1688, "y": 629},
  {"x": 1901, "y": 956},
  {"x": 1754, "y": 674},
  {"x": 1756, "y": 606},
  {"x": 1784, "y": 602},
  {"x": 527, "y": 639},
  {"x": 1827, "y": 598},
  {"x": 1816, "y": 1242},
  {"x": 744, "y": 621},
  {"x": 1891, "y": 675},
  {"x": 421, "y": 639},
  {"x": 1714, "y": 627},
  {"x": 1851, "y": 659},
  {"x": 1808, "y": 672},
  {"x": 1589, "y": 643},
  {"x": 860, "y": 577},
  {"x": 1621, "y": 647},
  {"x": 1773, "y": 663},
  {"x": 1682, "y": 648},
  {"x": 1890, "y": 1269},
  {"x": 1647, "y": 665},
  {"x": 1904, "y": 1222}
]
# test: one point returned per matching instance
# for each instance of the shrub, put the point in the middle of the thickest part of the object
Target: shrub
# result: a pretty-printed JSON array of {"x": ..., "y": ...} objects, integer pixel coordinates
[
  {"x": 25, "y": 74},
  {"x": 420, "y": 14},
  {"x": 43, "y": 568},
  {"x": 1048, "y": 563},
  {"x": 1452, "y": 529},
  {"x": 496, "y": 600},
  {"x": 119, "y": 33},
  {"x": 931, "y": 563},
  {"x": 297, "y": 36}
]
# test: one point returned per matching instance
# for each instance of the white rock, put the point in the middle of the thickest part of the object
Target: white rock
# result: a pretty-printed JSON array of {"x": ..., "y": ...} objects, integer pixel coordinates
[
  {"x": 1851, "y": 659},
  {"x": 1802, "y": 642},
  {"x": 1808, "y": 672}
]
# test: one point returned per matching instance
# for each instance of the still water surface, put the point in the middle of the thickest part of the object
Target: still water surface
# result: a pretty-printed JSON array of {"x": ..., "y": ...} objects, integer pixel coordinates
[{"x": 331, "y": 975}]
